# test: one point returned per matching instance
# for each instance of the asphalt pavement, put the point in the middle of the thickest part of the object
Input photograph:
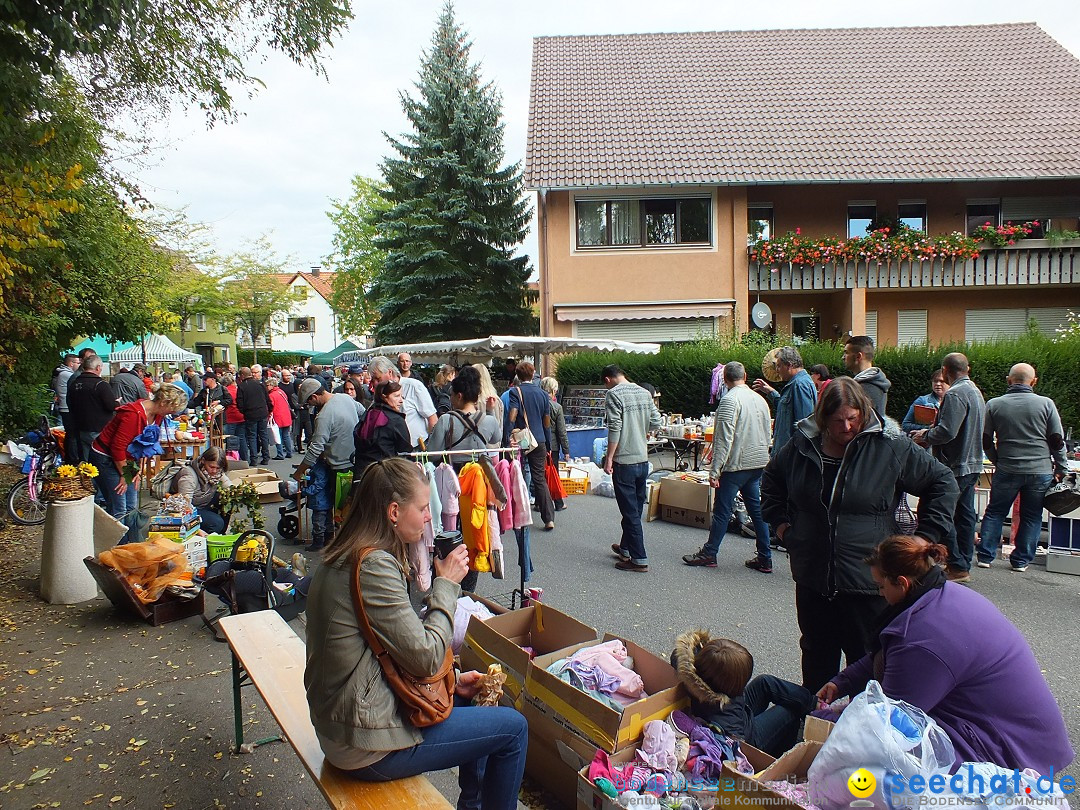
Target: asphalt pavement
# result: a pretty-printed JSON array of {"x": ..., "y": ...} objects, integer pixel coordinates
[{"x": 119, "y": 714}]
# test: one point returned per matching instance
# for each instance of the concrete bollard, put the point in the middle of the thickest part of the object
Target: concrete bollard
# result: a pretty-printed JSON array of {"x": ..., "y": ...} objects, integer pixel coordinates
[{"x": 69, "y": 537}]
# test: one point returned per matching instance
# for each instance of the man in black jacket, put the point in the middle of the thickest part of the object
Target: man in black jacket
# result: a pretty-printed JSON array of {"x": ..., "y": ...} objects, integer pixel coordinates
[
  {"x": 91, "y": 402},
  {"x": 211, "y": 394},
  {"x": 128, "y": 385},
  {"x": 253, "y": 402}
]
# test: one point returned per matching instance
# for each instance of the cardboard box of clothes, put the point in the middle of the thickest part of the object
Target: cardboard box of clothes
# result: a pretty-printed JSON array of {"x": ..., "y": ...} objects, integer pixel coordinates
[
  {"x": 500, "y": 639},
  {"x": 556, "y": 753},
  {"x": 791, "y": 766},
  {"x": 687, "y": 499},
  {"x": 597, "y": 722},
  {"x": 733, "y": 789}
]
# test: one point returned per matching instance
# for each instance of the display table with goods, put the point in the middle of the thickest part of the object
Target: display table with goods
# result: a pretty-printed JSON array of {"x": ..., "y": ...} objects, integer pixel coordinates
[{"x": 584, "y": 409}]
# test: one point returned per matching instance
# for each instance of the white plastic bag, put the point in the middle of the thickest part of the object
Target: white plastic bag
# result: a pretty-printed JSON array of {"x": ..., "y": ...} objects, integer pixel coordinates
[
  {"x": 604, "y": 487},
  {"x": 884, "y": 736}
]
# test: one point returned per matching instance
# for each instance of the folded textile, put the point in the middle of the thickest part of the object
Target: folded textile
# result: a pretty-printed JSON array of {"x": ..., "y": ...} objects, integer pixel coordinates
[
  {"x": 658, "y": 747},
  {"x": 610, "y": 656},
  {"x": 561, "y": 670},
  {"x": 594, "y": 678}
]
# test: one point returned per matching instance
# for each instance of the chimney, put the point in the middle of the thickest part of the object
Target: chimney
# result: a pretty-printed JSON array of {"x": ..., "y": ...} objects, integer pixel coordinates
[{"x": 316, "y": 270}]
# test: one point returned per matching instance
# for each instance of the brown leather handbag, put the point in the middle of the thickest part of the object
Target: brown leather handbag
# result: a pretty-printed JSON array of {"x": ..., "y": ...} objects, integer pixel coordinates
[{"x": 428, "y": 700}]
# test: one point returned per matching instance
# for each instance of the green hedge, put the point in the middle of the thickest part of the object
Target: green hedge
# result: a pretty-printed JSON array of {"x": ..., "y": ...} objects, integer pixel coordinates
[
  {"x": 682, "y": 371},
  {"x": 245, "y": 357}
]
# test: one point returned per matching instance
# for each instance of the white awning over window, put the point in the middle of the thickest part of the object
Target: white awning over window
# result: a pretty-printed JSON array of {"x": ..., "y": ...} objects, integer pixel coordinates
[
  {"x": 643, "y": 310},
  {"x": 662, "y": 330}
]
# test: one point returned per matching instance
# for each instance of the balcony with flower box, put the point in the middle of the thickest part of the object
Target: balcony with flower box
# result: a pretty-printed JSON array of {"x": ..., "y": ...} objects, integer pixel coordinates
[{"x": 912, "y": 260}]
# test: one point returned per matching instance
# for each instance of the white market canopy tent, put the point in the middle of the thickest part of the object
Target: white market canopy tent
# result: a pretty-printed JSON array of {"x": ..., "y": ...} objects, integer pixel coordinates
[
  {"x": 499, "y": 346},
  {"x": 156, "y": 349}
]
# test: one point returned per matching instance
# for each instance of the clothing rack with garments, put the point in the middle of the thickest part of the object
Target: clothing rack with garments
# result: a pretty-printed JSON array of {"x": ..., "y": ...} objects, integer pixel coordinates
[{"x": 515, "y": 598}]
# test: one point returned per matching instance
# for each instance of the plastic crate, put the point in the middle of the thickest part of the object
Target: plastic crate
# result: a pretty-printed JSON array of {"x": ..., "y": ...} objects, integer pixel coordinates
[
  {"x": 219, "y": 546},
  {"x": 575, "y": 486}
]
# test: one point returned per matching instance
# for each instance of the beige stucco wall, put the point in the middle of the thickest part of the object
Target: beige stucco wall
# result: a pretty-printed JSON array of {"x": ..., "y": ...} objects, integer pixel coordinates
[{"x": 659, "y": 274}]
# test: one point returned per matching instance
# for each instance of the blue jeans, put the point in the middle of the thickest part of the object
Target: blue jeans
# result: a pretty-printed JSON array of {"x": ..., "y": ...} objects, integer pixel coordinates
[
  {"x": 1003, "y": 491},
  {"x": 107, "y": 480},
  {"x": 487, "y": 744},
  {"x": 778, "y": 707},
  {"x": 237, "y": 429},
  {"x": 284, "y": 447},
  {"x": 748, "y": 482},
  {"x": 629, "y": 483},
  {"x": 961, "y": 538},
  {"x": 212, "y": 521},
  {"x": 257, "y": 439},
  {"x": 320, "y": 491}
]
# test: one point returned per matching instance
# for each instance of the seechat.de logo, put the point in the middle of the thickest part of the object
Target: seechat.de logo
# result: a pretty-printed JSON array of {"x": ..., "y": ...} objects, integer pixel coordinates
[{"x": 861, "y": 783}]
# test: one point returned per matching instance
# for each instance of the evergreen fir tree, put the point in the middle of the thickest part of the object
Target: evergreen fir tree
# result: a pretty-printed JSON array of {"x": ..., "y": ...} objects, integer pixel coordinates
[{"x": 455, "y": 213}]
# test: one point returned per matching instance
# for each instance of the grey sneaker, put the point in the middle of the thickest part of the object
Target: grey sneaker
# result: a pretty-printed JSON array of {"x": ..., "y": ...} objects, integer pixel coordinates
[
  {"x": 982, "y": 564},
  {"x": 1019, "y": 568},
  {"x": 700, "y": 558}
]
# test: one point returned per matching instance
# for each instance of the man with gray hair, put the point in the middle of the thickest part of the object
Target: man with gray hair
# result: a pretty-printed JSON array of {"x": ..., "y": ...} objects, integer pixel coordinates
[
  {"x": 91, "y": 402},
  {"x": 797, "y": 400},
  {"x": 740, "y": 451},
  {"x": 420, "y": 416},
  {"x": 1022, "y": 435}
]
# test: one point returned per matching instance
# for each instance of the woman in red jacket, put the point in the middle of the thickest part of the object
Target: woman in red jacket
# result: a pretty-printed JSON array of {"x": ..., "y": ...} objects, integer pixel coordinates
[
  {"x": 234, "y": 420},
  {"x": 282, "y": 416},
  {"x": 109, "y": 452}
]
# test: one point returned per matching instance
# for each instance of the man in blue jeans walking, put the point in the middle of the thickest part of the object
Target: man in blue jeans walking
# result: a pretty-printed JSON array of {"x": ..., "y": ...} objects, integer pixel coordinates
[
  {"x": 740, "y": 452},
  {"x": 1023, "y": 437},
  {"x": 629, "y": 413}
]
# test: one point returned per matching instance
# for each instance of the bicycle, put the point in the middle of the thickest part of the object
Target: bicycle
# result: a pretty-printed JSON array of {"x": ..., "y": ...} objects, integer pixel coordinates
[{"x": 24, "y": 503}]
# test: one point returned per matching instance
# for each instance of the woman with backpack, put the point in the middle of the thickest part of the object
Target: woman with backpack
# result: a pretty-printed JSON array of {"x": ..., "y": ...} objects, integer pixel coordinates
[
  {"x": 465, "y": 426},
  {"x": 382, "y": 432}
]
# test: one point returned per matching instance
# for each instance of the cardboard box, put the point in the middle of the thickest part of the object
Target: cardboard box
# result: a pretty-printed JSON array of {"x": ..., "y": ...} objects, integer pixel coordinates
[
  {"x": 263, "y": 479},
  {"x": 735, "y": 789},
  {"x": 686, "y": 517},
  {"x": 1062, "y": 563},
  {"x": 174, "y": 522},
  {"x": 687, "y": 500},
  {"x": 603, "y": 726},
  {"x": 653, "y": 500},
  {"x": 500, "y": 640},
  {"x": 556, "y": 754}
]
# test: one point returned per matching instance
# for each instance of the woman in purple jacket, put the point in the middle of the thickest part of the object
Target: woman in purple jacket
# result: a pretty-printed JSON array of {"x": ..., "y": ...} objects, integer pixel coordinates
[{"x": 982, "y": 685}]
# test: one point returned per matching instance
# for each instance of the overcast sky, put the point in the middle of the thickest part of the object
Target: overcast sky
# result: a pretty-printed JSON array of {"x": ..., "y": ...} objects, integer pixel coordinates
[{"x": 302, "y": 137}]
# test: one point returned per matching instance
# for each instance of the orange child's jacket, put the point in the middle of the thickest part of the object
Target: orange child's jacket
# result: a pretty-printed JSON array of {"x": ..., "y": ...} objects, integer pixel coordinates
[{"x": 474, "y": 516}]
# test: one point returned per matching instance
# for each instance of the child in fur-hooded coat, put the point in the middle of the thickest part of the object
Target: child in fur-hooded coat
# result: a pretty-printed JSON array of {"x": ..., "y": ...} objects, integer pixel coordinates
[{"x": 765, "y": 712}]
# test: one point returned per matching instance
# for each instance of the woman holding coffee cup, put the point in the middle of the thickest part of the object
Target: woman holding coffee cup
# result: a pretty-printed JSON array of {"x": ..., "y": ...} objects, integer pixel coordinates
[{"x": 360, "y": 721}]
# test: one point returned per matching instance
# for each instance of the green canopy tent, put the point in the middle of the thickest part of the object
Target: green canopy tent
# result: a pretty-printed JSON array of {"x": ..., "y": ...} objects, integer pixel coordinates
[{"x": 331, "y": 357}]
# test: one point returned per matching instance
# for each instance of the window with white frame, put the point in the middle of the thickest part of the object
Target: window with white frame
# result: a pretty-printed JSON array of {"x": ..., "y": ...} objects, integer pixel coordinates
[
  {"x": 759, "y": 222},
  {"x": 643, "y": 222},
  {"x": 912, "y": 213},
  {"x": 304, "y": 324},
  {"x": 860, "y": 214},
  {"x": 301, "y": 291},
  {"x": 200, "y": 323}
]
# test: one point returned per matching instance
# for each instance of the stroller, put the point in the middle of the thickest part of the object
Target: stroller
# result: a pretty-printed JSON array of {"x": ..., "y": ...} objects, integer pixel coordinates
[
  {"x": 288, "y": 527},
  {"x": 252, "y": 579}
]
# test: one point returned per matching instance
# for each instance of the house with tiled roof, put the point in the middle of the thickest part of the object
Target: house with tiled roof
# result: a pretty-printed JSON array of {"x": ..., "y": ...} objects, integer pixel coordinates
[
  {"x": 311, "y": 325},
  {"x": 658, "y": 158}
]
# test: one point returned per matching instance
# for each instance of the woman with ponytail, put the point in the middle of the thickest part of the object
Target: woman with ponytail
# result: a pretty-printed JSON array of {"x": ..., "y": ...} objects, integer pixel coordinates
[{"x": 948, "y": 650}]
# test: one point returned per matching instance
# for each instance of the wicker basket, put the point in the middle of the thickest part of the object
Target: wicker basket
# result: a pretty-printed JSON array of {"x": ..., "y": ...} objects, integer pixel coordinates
[{"x": 67, "y": 489}]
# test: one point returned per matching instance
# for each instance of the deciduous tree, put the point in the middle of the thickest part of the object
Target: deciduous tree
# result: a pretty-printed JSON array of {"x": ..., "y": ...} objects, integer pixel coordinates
[
  {"x": 356, "y": 261},
  {"x": 256, "y": 294}
]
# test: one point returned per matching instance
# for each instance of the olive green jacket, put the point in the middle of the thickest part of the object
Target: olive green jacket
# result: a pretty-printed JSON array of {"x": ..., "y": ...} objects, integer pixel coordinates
[{"x": 349, "y": 699}]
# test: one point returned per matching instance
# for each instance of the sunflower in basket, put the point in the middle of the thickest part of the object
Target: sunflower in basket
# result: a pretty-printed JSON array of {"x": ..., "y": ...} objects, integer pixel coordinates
[{"x": 69, "y": 483}]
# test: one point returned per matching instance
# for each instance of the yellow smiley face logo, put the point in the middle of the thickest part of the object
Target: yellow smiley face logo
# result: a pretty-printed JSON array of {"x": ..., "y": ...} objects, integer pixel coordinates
[{"x": 861, "y": 783}]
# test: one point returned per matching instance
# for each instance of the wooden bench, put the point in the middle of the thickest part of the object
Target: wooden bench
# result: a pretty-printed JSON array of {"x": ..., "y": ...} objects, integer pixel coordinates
[{"x": 267, "y": 653}]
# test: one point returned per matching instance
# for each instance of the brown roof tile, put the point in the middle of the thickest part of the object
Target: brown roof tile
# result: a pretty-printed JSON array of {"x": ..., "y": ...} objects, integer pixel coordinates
[
  {"x": 867, "y": 104},
  {"x": 323, "y": 284}
]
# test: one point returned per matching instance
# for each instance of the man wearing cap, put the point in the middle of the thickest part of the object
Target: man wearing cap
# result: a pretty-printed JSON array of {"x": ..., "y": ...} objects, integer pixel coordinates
[
  {"x": 329, "y": 452},
  {"x": 212, "y": 395}
]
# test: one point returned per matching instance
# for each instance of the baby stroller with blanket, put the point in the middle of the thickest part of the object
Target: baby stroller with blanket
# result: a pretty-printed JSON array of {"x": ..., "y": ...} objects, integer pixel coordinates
[{"x": 252, "y": 579}]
